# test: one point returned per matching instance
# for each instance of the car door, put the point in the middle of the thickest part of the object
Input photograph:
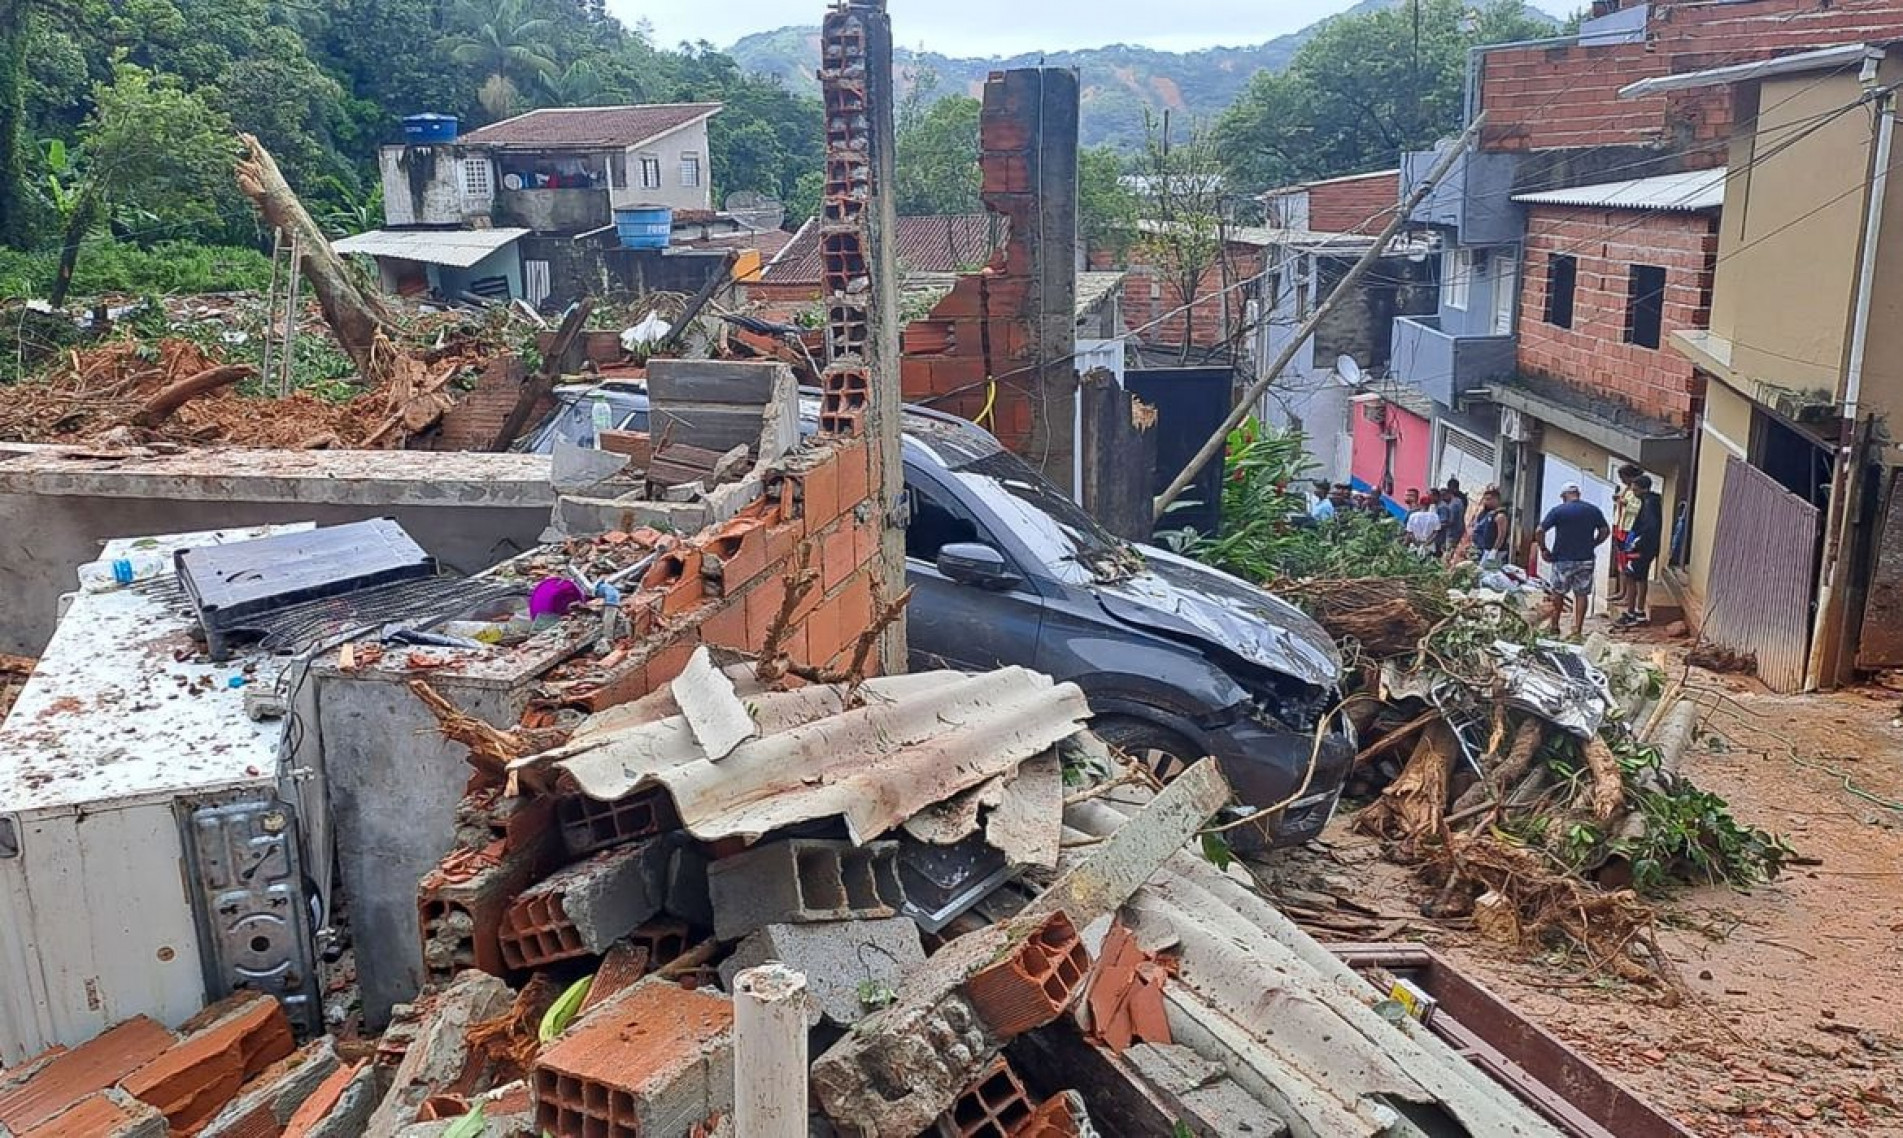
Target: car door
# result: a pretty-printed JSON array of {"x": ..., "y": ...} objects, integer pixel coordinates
[{"x": 961, "y": 626}]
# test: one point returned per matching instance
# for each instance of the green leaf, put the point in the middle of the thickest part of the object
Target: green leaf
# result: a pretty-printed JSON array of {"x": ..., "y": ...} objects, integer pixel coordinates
[
  {"x": 470, "y": 1125},
  {"x": 562, "y": 1011},
  {"x": 1216, "y": 851}
]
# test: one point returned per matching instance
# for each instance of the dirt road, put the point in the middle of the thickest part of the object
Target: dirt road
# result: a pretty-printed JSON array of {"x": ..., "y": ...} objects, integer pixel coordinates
[{"x": 1795, "y": 1025}]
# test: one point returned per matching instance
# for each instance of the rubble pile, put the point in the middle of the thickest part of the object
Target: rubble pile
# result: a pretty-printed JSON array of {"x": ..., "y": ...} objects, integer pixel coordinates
[{"x": 1534, "y": 782}]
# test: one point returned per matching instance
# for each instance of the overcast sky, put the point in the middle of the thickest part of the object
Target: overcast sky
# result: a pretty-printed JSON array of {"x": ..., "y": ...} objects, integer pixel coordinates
[{"x": 1009, "y": 27}]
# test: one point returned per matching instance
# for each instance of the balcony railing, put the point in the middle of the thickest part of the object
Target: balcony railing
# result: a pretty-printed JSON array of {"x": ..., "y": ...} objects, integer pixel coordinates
[{"x": 1444, "y": 366}]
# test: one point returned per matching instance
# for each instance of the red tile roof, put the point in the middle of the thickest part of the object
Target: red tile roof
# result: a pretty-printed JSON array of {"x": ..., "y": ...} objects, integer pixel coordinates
[
  {"x": 943, "y": 243},
  {"x": 590, "y": 126}
]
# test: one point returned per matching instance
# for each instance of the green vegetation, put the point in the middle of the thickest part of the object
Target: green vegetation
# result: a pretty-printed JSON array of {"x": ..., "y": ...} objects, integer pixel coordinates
[
  {"x": 1264, "y": 474},
  {"x": 1364, "y": 89},
  {"x": 108, "y": 266},
  {"x": 93, "y": 93}
]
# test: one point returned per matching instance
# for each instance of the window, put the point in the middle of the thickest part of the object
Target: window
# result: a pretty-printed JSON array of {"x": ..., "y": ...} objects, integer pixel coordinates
[
  {"x": 690, "y": 170},
  {"x": 1457, "y": 271},
  {"x": 618, "y": 170},
  {"x": 1644, "y": 305},
  {"x": 1562, "y": 277},
  {"x": 650, "y": 173},
  {"x": 476, "y": 177}
]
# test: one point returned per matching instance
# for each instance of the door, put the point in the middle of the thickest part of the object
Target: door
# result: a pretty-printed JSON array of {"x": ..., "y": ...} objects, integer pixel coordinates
[
  {"x": 1556, "y": 472},
  {"x": 1763, "y": 575},
  {"x": 535, "y": 286},
  {"x": 1505, "y": 276},
  {"x": 953, "y": 625}
]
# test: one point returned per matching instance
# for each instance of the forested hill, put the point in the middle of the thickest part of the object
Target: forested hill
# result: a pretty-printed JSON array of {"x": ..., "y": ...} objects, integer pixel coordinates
[{"x": 1120, "y": 82}]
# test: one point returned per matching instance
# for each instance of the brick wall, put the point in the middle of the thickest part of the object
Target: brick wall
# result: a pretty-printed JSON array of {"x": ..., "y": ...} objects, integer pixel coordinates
[
  {"x": 477, "y": 418},
  {"x": 1592, "y": 355},
  {"x": 1152, "y": 298},
  {"x": 725, "y": 586},
  {"x": 1567, "y": 95},
  {"x": 988, "y": 326},
  {"x": 1360, "y": 204}
]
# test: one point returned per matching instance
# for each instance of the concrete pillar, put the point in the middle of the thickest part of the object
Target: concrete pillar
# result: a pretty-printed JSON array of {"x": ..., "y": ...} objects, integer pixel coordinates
[{"x": 770, "y": 1052}]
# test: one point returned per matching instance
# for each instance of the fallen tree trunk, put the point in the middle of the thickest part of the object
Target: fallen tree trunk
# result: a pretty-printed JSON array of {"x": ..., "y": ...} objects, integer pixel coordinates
[
  {"x": 163, "y": 405},
  {"x": 360, "y": 319}
]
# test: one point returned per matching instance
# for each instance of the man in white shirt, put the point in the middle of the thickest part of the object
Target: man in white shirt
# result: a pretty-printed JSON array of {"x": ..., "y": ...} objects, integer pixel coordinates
[{"x": 1423, "y": 522}]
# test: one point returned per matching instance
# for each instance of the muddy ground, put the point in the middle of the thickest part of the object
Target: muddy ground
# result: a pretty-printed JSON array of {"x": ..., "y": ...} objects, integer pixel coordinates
[{"x": 1794, "y": 1025}]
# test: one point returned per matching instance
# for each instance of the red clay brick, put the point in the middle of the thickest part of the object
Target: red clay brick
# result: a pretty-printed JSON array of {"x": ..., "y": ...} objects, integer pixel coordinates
[
  {"x": 1032, "y": 986},
  {"x": 995, "y": 1105},
  {"x": 322, "y": 1101},
  {"x": 655, "y": 1043},
  {"x": 727, "y": 627},
  {"x": 90, "y": 1067},
  {"x": 229, "y": 1043},
  {"x": 621, "y": 968},
  {"x": 105, "y": 1114},
  {"x": 1061, "y": 1116},
  {"x": 741, "y": 546}
]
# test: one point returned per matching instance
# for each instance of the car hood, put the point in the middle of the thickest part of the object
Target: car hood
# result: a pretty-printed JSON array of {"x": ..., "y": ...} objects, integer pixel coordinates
[{"x": 1183, "y": 598}]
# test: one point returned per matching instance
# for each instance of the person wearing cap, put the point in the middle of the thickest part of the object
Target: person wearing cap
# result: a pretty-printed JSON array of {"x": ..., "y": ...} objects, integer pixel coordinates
[{"x": 1577, "y": 529}]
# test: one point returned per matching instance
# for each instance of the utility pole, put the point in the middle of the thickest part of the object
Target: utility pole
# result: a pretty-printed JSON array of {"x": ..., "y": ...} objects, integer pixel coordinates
[{"x": 1213, "y": 448}]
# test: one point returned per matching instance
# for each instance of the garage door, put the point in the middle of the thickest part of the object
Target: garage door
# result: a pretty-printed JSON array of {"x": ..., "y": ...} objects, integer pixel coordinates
[
  {"x": 1557, "y": 472},
  {"x": 1466, "y": 457}
]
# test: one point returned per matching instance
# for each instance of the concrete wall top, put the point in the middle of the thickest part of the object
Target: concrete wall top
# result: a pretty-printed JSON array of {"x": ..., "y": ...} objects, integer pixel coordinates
[{"x": 387, "y": 478}]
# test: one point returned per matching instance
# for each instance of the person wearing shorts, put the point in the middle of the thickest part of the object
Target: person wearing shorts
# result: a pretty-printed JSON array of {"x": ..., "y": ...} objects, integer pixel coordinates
[
  {"x": 1569, "y": 536},
  {"x": 1625, "y": 510},
  {"x": 1642, "y": 543}
]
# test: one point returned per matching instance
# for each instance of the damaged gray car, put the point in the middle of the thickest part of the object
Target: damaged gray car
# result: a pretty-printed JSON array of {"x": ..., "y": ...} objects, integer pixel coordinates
[{"x": 1178, "y": 660}]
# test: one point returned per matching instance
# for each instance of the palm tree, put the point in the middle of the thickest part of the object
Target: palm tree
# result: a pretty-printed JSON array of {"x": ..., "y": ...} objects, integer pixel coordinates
[
  {"x": 503, "y": 39},
  {"x": 577, "y": 85}
]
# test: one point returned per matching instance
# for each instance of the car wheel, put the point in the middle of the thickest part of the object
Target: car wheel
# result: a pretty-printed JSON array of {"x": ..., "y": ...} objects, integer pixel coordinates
[{"x": 1165, "y": 753}]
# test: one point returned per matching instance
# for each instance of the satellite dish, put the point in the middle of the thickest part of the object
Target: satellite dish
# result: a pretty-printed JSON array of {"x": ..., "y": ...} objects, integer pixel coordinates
[
  {"x": 754, "y": 210},
  {"x": 1348, "y": 369}
]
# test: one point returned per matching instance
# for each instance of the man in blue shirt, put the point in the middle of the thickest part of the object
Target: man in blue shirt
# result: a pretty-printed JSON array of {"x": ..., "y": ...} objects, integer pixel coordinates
[{"x": 1577, "y": 529}]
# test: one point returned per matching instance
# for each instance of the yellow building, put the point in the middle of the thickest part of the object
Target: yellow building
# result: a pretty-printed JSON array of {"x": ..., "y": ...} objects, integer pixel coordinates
[{"x": 1804, "y": 364}]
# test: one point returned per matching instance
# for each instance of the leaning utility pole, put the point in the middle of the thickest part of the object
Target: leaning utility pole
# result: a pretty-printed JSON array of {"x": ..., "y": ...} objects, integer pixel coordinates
[
  {"x": 1237, "y": 414},
  {"x": 860, "y": 384}
]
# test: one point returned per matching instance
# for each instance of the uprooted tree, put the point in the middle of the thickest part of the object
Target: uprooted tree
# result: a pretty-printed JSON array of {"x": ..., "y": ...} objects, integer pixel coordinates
[{"x": 363, "y": 324}]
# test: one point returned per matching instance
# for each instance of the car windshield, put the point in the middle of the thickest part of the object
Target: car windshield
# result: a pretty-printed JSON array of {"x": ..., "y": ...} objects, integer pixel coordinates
[{"x": 1056, "y": 529}]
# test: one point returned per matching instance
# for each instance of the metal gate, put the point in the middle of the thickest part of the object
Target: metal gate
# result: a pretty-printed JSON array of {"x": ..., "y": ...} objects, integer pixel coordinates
[{"x": 1763, "y": 575}]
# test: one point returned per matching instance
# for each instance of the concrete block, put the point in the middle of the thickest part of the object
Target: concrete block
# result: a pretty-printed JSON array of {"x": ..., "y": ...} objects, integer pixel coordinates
[
  {"x": 843, "y": 961},
  {"x": 440, "y": 1051},
  {"x": 687, "y": 892},
  {"x": 579, "y": 470},
  {"x": 711, "y": 381},
  {"x": 578, "y": 516},
  {"x": 268, "y": 1101},
  {"x": 801, "y": 880},
  {"x": 657, "y": 1060},
  {"x": 581, "y": 910}
]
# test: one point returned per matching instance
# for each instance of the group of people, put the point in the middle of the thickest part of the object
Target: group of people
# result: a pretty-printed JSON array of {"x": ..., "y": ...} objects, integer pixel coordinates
[
  {"x": 1571, "y": 533},
  {"x": 1443, "y": 523}
]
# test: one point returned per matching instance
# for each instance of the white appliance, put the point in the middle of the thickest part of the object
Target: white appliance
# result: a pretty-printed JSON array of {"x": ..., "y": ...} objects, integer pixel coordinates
[{"x": 147, "y": 861}]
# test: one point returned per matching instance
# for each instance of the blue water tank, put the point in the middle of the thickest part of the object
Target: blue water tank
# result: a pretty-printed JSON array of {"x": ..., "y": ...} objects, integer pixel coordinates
[
  {"x": 421, "y": 130},
  {"x": 645, "y": 226}
]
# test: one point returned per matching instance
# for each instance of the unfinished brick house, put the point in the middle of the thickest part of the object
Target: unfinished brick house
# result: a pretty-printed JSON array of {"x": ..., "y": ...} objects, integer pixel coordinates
[{"x": 1576, "y": 239}]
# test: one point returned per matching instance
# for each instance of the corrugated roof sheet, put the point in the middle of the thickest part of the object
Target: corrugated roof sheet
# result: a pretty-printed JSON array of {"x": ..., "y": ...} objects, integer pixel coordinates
[
  {"x": 941, "y": 243},
  {"x": 457, "y": 248},
  {"x": 1680, "y": 193},
  {"x": 920, "y": 739},
  {"x": 589, "y": 126},
  {"x": 1094, "y": 287}
]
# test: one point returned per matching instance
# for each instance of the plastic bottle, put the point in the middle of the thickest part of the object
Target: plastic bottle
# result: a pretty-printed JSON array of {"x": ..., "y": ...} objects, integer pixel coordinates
[{"x": 602, "y": 416}]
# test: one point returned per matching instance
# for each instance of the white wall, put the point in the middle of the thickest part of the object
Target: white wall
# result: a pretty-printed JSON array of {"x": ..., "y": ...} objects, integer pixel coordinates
[
  {"x": 668, "y": 151},
  {"x": 426, "y": 185}
]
